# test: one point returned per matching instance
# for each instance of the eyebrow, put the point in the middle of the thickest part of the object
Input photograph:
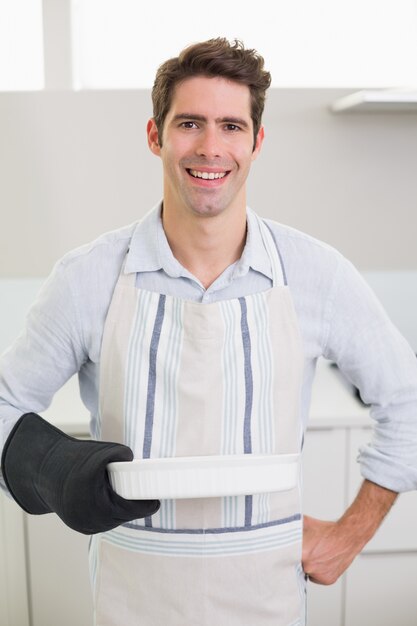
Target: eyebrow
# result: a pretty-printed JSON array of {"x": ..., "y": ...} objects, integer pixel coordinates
[{"x": 219, "y": 120}]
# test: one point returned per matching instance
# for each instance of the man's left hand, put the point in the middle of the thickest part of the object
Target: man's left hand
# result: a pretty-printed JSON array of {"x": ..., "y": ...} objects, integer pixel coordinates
[
  {"x": 330, "y": 547},
  {"x": 327, "y": 550}
]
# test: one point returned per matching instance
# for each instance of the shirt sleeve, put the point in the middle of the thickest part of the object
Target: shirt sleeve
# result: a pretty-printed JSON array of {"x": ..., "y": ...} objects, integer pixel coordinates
[
  {"x": 44, "y": 356},
  {"x": 376, "y": 358}
]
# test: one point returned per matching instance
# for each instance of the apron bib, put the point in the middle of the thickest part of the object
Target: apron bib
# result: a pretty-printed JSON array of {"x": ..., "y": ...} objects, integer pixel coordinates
[{"x": 180, "y": 378}]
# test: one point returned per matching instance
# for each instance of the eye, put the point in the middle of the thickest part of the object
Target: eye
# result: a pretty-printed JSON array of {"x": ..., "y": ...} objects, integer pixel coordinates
[
  {"x": 232, "y": 127},
  {"x": 188, "y": 125}
]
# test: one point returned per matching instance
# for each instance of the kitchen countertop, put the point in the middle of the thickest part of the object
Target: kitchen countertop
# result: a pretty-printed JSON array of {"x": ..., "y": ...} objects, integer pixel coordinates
[
  {"x": 333, "y": 401},
  {"x": 333, "y": 404}
]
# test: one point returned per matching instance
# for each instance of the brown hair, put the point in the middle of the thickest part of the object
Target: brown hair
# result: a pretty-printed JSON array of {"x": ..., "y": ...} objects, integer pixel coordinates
[{"x": 215, "y": 57}]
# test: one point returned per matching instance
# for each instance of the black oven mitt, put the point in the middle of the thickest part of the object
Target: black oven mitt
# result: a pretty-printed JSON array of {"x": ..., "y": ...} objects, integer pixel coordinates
[{"x": 47, "y": 471}]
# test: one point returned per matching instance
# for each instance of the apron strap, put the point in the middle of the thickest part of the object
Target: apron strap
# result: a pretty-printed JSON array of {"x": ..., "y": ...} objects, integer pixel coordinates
[
  {"x": 126, "y": 279},
  {"x": 279, "y": 277}
]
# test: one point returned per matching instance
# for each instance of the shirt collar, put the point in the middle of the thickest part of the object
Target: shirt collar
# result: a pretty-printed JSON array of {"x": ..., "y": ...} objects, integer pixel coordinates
[{"x": 150, "y": 251}]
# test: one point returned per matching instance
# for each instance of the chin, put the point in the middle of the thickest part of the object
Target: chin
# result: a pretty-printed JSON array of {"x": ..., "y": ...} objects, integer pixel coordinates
[{"x": 208, "y": 211}]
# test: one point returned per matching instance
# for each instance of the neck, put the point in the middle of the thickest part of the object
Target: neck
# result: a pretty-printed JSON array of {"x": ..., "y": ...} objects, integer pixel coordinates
[{"x": 205, "y": 246}]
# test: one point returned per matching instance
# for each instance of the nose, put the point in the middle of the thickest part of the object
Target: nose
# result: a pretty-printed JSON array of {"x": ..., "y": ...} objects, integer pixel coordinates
[{"x": 209, "y": 144}]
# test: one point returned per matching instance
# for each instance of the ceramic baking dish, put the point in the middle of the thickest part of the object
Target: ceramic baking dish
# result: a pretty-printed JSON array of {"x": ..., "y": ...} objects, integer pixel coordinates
[{"x": 204, "y": 476}]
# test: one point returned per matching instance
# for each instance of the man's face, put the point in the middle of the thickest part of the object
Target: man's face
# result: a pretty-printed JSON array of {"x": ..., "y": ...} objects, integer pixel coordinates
[{"x": 207, "y": 146}]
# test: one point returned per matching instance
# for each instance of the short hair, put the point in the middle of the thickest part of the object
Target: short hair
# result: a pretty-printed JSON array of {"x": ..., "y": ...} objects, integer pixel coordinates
[{"x": 212, "y": 58}]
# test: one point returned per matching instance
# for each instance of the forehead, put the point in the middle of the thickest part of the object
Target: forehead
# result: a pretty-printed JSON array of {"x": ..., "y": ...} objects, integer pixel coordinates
[{"x": 211, "y": 97}]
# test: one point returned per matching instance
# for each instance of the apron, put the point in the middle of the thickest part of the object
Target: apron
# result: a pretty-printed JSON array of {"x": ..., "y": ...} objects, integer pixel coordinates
[{"x": 180, "y": 378}]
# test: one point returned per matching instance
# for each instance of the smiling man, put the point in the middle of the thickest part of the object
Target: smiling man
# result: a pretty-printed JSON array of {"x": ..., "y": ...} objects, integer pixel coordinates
[{"x": 195, "y": 332}]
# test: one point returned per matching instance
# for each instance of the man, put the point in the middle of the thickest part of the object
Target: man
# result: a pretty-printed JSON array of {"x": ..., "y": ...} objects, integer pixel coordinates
[{"x": 196, "y": 332}]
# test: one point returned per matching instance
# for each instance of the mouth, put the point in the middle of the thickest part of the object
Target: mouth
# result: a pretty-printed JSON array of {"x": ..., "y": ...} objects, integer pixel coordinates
[{"x": 208, "y": 178}]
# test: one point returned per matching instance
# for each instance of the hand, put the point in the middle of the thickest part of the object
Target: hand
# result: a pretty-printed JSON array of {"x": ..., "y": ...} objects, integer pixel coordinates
[
  {"x": 330, "y": 547},
  {"x": 47, "y": 471},
  {"x": 328, "y": 550}
]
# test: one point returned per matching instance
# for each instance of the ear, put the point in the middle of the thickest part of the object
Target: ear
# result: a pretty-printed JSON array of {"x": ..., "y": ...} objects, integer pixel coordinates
[
  {"x": 259, "y": 141},
  {"x": 153, "y": 142}
]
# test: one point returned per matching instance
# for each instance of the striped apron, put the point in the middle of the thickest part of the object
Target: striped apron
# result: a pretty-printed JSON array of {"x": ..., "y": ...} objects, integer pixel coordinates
[{"x": 180, "y": 378}]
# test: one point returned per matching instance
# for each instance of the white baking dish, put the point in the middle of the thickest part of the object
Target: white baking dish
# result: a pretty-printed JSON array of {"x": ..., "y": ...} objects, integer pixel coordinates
[{"x": 204, "y": 476}]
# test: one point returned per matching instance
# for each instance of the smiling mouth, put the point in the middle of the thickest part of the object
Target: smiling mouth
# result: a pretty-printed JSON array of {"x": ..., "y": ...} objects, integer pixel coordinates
[{"x": 207, "y": 175}]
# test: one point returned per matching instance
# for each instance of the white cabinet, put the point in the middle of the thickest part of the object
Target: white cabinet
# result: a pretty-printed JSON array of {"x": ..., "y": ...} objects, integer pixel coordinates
[
  {"x": 324, "y": 498},
  {"x": 324, "y": 473},
  {"x": 381, "y": 590},
  {"x": 57, "y": 559},
  {"x": 44, "y": 577},
  {"x": 13, "y": 587}
]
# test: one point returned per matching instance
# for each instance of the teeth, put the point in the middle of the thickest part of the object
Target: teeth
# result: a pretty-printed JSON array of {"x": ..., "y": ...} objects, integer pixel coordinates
[{"x": 207, "y": 175}]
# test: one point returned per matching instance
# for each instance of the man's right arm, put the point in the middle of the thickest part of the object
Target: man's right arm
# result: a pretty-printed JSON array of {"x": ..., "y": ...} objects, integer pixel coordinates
[{"x": 44, "y": 356}]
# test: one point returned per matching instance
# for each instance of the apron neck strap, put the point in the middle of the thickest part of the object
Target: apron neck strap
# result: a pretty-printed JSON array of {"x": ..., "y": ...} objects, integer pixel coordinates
[
  {"x": 126, "y": 279},
  {"x": 279, "y": 277}
]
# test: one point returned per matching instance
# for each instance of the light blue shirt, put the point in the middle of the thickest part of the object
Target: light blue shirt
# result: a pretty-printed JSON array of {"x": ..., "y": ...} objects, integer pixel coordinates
[{"x": 339, "y": 318}]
